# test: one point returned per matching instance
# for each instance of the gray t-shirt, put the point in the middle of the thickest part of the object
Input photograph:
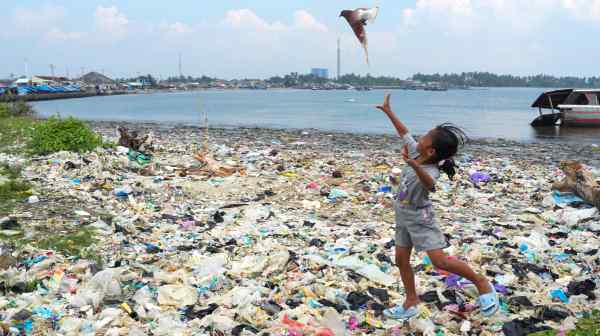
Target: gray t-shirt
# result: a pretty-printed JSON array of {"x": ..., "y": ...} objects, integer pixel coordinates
[{"x": 411, "y": 191}]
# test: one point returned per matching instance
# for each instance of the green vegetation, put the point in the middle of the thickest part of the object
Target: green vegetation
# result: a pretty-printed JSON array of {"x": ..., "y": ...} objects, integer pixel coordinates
[
  {"x": 112, "y": 145},
  {"x": 16, "y": 109},
  {"x": 486, "y": 79},
  {"x": 56, "y": 134},
  {"x": 465, "y": 79},
  {"x": 19, "y": 128},
  {"x": 13, "y": 132},
  {"x": 12, "y": 189},
  {"x": 15, "y": 120},
  {"x": 77, "y": 244},
  {"x": 188, "y": 79},
  {"x": 586, "y": 326},
  {"x": 11, "y": 192},
  {"x": 19, "y": 131}
]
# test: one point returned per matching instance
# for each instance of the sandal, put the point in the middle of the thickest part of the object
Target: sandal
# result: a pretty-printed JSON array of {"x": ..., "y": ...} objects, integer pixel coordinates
[
  {"x": 399, "y": 313},
  {"x": 489, "y": 303}
]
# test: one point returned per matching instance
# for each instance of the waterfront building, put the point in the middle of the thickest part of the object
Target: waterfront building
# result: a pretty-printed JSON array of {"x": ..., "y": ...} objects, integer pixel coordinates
[{"x": 320, "y": 72}]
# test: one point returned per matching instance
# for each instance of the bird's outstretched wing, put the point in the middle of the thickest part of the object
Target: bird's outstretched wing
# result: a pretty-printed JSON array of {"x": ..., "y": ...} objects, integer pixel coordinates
[
  {"x": 368, "y": 14},
  {"x": 356, "y": 23},
  {"x": 358, "y": 19}
]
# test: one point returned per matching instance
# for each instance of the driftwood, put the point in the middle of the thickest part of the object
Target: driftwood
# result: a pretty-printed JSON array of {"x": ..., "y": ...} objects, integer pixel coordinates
[
  {"x": 131, "y": 140},
  {"x": 212, "y": 167},
  {"x": 580, "y": 181}
]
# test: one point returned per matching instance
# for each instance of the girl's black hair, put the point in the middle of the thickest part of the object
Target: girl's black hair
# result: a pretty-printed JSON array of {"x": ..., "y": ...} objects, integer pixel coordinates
[{"x": 446, "y": 140}]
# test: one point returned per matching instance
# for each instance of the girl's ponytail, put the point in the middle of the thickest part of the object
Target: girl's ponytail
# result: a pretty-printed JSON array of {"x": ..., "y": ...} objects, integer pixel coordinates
[
  {"x": 446, "y": 141},
  {"x": 449, "y": 167}
]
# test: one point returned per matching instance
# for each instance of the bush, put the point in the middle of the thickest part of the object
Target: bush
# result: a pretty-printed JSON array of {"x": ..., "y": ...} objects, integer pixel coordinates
[
  {"x": 4, "y": 110},
  {"x": 12, "y": 189},
  {"x": 16, "y": 109},
  {"x": 56, "y": 134},
  {"x": 22, "y": 109},
  {"x": 14, "y": 132},
  {"x": 76, "y": 244}
]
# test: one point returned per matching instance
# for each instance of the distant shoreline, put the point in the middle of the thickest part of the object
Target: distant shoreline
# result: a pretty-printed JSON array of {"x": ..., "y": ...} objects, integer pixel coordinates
[
  {"x": 55, "y": 96},
  {"x": 74, "y": 95}
]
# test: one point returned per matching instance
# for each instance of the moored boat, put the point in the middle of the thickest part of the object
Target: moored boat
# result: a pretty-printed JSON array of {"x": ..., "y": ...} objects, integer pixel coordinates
[{"x": 569, "y": 107}]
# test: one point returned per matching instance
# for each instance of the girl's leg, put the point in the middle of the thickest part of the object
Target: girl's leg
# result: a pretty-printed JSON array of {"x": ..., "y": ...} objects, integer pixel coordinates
[
  {"x": 407, "y": 275},
  {"x": 441, "y": 261}
]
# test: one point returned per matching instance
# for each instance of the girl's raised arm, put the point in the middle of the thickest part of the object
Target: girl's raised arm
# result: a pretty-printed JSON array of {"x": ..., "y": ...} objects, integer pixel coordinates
[{"x": 400, "y": 127}]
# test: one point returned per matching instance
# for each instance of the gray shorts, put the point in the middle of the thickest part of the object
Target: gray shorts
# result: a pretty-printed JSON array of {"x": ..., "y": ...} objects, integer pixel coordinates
[{"x": 417, "y": 228}]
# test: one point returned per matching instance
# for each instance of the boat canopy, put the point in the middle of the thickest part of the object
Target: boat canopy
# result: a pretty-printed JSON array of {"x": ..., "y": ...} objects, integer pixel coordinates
[{"x": 552, "y": 99}]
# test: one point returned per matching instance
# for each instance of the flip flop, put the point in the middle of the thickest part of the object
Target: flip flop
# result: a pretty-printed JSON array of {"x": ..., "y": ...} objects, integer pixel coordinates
[
  {"x": 489, "y": 303},
  {"x": 399, "y": 313}
]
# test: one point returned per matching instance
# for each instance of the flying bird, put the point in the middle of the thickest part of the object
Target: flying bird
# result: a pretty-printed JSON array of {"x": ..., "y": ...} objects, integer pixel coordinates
[{"x": 358, "y": 19}]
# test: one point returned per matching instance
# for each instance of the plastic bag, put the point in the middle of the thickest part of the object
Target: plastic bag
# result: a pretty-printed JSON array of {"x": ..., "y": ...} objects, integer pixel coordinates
[
  {"x": 104, "y": 285},
  {"x": 177, "y": 295}
]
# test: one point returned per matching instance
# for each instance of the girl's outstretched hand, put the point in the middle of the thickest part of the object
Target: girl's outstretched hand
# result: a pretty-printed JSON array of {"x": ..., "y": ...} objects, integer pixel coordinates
[{"x": 386, "y": 104}]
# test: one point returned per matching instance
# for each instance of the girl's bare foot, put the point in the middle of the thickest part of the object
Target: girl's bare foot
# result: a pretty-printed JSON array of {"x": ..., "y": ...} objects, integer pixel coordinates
[
  {"x": 483, "y": 285},
  {"x": 411, "y": 303}
]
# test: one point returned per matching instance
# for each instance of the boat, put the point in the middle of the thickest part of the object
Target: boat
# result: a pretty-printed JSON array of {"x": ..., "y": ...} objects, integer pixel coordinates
[
  {"x": 351, "y": 100},
  {"x": 435, "y": 86},
  {"x": 569, "y": 107}
]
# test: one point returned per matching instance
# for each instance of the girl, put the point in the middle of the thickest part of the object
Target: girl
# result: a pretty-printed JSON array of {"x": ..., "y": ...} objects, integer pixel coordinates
[{"x": 415, "y": 223}]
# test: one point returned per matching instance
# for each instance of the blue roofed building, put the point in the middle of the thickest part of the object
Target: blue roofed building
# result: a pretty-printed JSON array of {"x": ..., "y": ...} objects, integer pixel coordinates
[{"x": 320, "y": 72}]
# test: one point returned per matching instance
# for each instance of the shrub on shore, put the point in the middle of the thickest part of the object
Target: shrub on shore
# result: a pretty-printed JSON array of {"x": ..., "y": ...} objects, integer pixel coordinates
[
  {"x": 19, "y": 126},
  {"x": 57, "y": 134},
  {"x": 18, "y": 108},
  {"x": 12, "y": 188},
  {"x": 15, "y": 120}
]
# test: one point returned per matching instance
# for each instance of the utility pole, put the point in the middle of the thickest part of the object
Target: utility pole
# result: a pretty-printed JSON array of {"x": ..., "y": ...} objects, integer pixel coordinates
[
  {"x": 52, "y": 69},
  {"x": 339, "y": 59},
  {"x": 67, "y": 71},
  {"x": 180, "y": 71},
  {"x": 26, "y": 68}
]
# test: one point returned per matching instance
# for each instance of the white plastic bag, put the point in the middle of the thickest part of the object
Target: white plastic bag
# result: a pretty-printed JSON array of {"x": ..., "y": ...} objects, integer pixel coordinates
[{"x": 177, "y": 295}]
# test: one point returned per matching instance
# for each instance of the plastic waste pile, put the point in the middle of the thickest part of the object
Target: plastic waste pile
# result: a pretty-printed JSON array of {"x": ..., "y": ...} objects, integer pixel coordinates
[{"x": 296, "y": 242}]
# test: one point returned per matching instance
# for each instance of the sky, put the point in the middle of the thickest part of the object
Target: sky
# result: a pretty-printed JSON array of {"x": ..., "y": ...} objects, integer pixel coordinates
[{"x": 259, "y": 39}]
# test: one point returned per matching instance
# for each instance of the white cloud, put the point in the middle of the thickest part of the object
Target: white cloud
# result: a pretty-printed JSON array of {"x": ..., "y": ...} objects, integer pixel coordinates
[
  {"x": 246, "y": 18},
  {"x": 583, "y": 9},
  {"x": 35, "y": 20},
  {"x": 514, "y": 15},
  {"x": 56, "y": 34},
  {"x": 511, "y": 36},
  {"x": 454, "y": 7},
  {"x": 175, "y": 28},
  {"x": 110, "y": 21},
  {"x": 304, "y": 20},
  {"x": 460, "y": 17}
]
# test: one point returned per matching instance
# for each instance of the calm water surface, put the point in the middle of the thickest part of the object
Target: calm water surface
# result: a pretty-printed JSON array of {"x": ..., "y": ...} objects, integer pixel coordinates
[{"x": 484, "y": 113}]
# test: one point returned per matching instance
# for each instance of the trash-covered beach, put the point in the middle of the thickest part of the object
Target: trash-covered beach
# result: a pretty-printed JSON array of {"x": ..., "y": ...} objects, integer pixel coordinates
[{"x": 287, "y": 232}]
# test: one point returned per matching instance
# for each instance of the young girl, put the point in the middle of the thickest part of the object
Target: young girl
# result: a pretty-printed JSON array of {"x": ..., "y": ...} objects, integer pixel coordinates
[{"x": 415, "y": 223}]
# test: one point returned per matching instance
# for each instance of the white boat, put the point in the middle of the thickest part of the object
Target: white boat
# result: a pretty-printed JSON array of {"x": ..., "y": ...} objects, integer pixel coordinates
[
  {"x": 569, "y": 108},
  {"x": 351, "y": 100}
]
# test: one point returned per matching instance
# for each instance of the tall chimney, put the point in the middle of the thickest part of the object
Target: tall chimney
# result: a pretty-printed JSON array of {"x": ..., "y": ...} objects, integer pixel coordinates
[{"x": 339, "y": 59}]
